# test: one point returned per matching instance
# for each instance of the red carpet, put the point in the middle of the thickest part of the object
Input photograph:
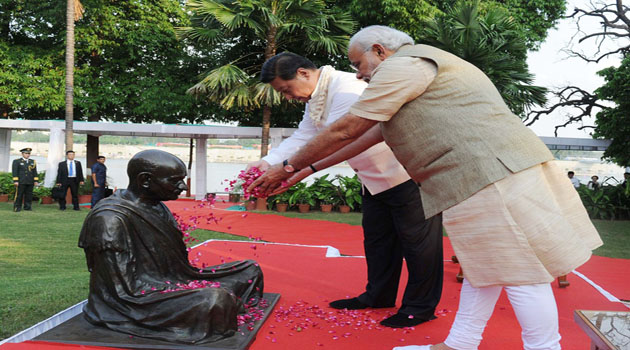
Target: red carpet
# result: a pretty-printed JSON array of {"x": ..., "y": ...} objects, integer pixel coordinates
[
  {"x": 606, "y": 272},
  {"x": 274, "y": 228},
  {"x": 307, "y": 281},
  {"x": 610, "y": 274}
]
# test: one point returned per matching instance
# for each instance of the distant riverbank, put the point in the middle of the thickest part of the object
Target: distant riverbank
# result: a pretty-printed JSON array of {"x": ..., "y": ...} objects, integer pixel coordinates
[{"x": 215, "y": 155}]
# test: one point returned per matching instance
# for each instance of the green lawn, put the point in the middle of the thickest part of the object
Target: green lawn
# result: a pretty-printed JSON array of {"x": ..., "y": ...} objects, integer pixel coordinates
[{"x": 42, "y": 271}]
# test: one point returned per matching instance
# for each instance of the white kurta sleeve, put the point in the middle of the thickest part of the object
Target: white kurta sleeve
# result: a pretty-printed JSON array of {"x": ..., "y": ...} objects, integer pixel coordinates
[{"x": 305, "y": 132}]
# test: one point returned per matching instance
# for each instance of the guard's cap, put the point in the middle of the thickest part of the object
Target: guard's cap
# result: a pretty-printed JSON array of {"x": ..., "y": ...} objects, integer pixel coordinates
[{"x": 26, "y": 150}]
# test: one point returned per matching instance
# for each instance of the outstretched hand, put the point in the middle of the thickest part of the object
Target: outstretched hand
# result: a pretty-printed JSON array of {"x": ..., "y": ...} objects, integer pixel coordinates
[
  {"x": 270, "y": 180},
  {"x": 297, "y": 177},
  {"x": 260, "y": 164}
]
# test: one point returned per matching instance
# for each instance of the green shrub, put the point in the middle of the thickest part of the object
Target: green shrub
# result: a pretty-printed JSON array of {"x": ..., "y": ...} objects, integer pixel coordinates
[
  {"x": 607, "y": 202},
  {"x": 6, "y": 184},
  {"x": 349, "y": 191},
  {"x": 302, "y": 194},
  {"x": 41, "y": 191},
  {"x": 324, "y": 191},
  {"x": 597, "y": 203},
  {"x": 87, "y": 187}
]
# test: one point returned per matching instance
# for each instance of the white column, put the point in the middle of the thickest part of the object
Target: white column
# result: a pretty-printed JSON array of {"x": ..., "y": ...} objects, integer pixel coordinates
[
  {"x": 5, "y": 149},
  {"x": 56, "y": 144},
  {"x": 201, "y": 168},
  {"x": 275, "y": 136}
]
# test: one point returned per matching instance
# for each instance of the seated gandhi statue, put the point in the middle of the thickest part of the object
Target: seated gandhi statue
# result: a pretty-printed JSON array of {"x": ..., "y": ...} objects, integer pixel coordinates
[{"x": 137, "y": 258}]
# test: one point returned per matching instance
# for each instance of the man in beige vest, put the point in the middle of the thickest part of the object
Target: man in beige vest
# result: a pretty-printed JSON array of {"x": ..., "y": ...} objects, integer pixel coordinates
[{"x": 512, "y": 216}]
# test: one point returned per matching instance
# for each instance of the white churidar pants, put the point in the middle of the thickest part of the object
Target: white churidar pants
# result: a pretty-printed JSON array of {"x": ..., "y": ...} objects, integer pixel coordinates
[{"x": 534, "y": 306}]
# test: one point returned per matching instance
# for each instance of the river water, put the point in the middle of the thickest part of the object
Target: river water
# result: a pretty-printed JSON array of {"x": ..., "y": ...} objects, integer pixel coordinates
[{"x": 217, "y": 172}]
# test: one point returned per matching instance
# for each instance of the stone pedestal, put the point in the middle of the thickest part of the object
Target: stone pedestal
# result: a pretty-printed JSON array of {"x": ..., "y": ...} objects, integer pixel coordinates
[{"x": 78, "y": 331}]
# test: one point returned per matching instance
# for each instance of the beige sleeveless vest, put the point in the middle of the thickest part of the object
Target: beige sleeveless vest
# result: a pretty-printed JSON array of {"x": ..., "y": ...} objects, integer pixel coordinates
[{"x": 458, "y": 136}]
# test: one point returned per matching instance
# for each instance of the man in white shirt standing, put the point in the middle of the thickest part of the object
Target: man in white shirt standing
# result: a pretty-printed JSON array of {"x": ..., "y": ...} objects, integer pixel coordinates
[
  {"x": 393, "y": 221},
  {"x": 70, "y": 175},
  {"x": 574, "y": 180}
]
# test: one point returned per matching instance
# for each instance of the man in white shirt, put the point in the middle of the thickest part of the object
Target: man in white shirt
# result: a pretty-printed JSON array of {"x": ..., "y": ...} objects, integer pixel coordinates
[
  {"x": 393, "y": 222},
  {"x": 575, "y": 181},
  {"x": 70, "y": 175}
]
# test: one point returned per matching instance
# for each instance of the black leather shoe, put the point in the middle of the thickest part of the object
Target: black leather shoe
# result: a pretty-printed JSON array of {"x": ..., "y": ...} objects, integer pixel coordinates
[
  {"x": 62, "y": 208},
  {"x": 17, "y": 209},
  {"x": 76, "y": 209},
  {"x": 350, "y": 304},
  {"x": 401, "y": 321}
]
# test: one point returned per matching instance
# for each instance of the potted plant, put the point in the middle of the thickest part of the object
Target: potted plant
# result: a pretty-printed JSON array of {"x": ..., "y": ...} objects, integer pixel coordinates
[
  {"x": 7, "y": 188},
  {"x": 325, "y": 193},
  {"x": 44, "y": 194},
  {"x": 349, "y": 193},
  {"x": 250, "y": 204},
  {"x": 234, "y": 194},
  {"x": 85, "y": 191},
  {"x": 303, "y": 197},
  {"x": 281, "y": 201}
]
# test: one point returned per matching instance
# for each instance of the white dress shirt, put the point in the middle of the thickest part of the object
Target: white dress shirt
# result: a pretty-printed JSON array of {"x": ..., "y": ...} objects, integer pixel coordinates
[
  {"x": 376, "y": 167},
  {"x": 74, "y": 168}
]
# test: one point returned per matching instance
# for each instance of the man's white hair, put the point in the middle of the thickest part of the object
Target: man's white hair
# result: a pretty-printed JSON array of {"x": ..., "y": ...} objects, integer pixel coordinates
[{"x": 390, "y": 38}]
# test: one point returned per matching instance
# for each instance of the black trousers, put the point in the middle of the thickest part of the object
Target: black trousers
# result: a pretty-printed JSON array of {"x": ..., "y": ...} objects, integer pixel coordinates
[
  {"x": 24, "y": 194},
  {"x": 394, "y": 227},
  {"x": 73, "y": 184},
  {"x": 98, "y": 193}
]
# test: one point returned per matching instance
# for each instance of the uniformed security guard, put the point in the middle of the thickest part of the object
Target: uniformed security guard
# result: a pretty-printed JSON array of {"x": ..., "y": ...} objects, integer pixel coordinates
[{"x": 24, "y": 178}]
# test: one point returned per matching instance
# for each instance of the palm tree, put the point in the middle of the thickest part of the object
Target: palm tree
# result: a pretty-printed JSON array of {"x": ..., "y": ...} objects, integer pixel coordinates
[
  {"x": 74, "y": 11},
  {"x": 248, "y": 32},
  {"x": 493, "y": 43}
]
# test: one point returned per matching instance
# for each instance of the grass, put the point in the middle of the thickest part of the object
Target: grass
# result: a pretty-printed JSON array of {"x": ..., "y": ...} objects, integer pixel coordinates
[{"x": 42, "y": 271}]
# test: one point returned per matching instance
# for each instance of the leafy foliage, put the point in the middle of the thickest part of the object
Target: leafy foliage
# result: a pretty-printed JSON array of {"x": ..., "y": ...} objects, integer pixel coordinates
[
  {"x": 597, "y": 203},
  {"x": 324, "y": 190},
  {"x": 613, "y": 123},
  {"x": 6, "y": 184},
  {"x": 129, "y": 64},
  {"x": 607, "y": 202},
  {"x": 244, "y": 33},
  {"x": 31, "y": 57},
  {"x": 534, "y": 18},
  {"x": 302, "y": 194},
  {"x": 41, "y": 191},
  {"x": 494, "y": 43},
  {"x": 349, "y": 191}
]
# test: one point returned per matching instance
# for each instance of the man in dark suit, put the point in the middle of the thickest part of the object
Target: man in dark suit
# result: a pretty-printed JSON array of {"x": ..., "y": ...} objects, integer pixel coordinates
[
  {"x": 24, "y": 178},
  {"x": 70, "y": 174}
]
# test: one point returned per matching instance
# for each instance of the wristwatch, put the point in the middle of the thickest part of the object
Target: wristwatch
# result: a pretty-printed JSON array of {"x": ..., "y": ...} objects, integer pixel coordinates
[{"x": 288, "y": 167}]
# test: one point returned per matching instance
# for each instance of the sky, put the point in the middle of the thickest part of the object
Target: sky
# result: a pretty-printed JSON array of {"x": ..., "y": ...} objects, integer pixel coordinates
[{"x": 554, "y": 68}]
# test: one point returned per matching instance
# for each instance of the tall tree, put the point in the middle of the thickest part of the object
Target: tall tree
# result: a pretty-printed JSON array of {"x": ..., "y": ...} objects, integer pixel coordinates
[
  {"x": 31, "y": 58},
  {"x": 613, "y": 123},
  {"x": 609, "y": 102},
  {"x": 131, "y": 67},
  {"x": 494, "y": 43},
  {"x": 533, "y": 17},
  {"x": 129, "y": 64},
  {"x": 248, "y": 32},
  {"x": 74, "y": 11}
]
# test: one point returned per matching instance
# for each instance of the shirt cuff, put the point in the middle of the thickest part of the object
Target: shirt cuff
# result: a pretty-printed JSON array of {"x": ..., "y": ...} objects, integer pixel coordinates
[
  {"x": 368, "y": 115},
  {"x": 272, "y": 159}
]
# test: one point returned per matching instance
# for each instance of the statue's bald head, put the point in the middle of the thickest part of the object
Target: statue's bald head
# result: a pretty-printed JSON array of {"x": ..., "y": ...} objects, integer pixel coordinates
[{"x": 153, "y": 171}]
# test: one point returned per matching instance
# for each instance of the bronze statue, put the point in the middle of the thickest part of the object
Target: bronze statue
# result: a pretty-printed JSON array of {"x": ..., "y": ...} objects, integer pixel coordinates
[{"x": 141, "y": 282}]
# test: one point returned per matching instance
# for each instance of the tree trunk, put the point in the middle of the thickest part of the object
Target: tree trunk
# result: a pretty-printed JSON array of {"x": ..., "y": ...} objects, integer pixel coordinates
[
  {"x": 270, "y": 51},
  {"x": 264, "y": 143},
  {"x": 190, "y": 160},
  {"x": 69, "y": 73}
]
